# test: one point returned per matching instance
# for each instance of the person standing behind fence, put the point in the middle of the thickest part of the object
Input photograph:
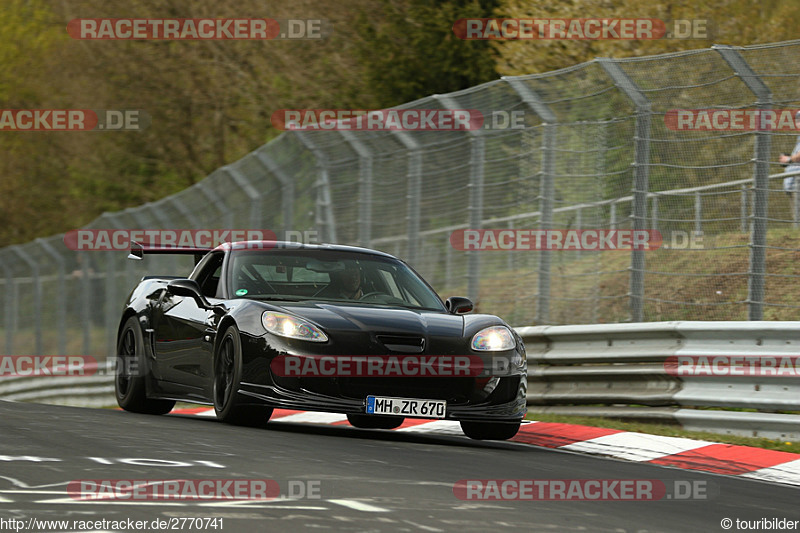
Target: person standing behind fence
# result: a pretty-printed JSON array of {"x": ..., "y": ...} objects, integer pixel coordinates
[{"x": 792, "y": 162}]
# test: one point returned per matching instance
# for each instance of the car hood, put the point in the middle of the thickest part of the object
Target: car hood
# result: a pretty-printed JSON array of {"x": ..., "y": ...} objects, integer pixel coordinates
[{"x": 389, "y": 320}]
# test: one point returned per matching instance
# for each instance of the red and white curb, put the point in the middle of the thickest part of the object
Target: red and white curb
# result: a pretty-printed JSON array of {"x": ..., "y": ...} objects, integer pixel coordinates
[{"x": 726, "y": 459}]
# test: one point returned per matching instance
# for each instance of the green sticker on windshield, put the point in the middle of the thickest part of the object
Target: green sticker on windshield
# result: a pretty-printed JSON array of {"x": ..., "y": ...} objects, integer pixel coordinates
[{"x": 241, "y": 292}]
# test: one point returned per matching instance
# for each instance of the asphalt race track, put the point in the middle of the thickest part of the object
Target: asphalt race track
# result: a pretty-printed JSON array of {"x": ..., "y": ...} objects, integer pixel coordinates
[{"x": 366, "y": 480}]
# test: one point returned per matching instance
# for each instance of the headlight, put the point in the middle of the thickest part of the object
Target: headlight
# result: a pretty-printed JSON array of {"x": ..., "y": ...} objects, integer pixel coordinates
[
  {"x": 291, "y": 327},
  {"x": 493, "y": 339}
]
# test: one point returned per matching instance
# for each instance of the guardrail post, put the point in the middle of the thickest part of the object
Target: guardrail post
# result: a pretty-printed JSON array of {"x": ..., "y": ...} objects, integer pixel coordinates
[
  {"x": 758, "y": 241},
  {"x": 547, "y": 188},
  {"x": 324, "y": 216},
  {"x": 9, "y": 304},
  {"x": 61, "y": 298},
  {"x": 641, "y": 172},
  {"x": 37, "y": 297},
  {"x": 287, "y": 189},
  {"x": 364, "y": 187}
]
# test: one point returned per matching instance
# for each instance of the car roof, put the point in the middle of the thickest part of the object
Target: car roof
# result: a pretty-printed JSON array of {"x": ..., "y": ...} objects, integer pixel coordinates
[{"x": 290, "y": 245}]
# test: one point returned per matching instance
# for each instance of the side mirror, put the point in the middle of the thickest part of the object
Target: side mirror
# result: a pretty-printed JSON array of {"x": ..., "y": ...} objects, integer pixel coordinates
[
  {"x": 190, "y": 289},
  {"x": 458, "y": 305}
]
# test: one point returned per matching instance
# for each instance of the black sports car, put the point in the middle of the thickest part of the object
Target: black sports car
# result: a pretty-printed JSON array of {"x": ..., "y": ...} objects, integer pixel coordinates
[{"x": 262, "y": 324}]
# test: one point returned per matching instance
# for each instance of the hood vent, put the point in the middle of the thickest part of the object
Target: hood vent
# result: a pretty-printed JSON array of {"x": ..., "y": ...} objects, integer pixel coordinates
[{"x": 403, "y": 343}]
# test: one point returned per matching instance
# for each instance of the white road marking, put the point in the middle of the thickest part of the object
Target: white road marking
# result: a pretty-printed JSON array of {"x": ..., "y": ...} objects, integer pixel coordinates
[
  {"x": 782, "y": 473},
  {"x": 635, "y": 446},
  {"x": 250, "y": 504},
  {"x": 360, "y": 506},
  {"x": 311, "y": 417},
  {"x": 423, "y": 527},
  {"x": 437, "y": 427}
]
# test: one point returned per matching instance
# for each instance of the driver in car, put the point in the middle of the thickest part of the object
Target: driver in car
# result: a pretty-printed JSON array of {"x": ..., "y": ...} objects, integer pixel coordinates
[{"x": 346, "y": 284}]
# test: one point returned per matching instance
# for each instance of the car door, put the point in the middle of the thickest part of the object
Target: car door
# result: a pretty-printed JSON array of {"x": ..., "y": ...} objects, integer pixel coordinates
[{"x": 185, "y": 333}]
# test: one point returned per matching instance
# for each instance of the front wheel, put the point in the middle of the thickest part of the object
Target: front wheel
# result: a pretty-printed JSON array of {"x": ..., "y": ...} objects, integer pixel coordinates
[
  {"x": 374, "y": 421},
  {"x": 129, "y": 381},
  {"x": 489, "y": 430},
  {"x": 227, "y": 378}
]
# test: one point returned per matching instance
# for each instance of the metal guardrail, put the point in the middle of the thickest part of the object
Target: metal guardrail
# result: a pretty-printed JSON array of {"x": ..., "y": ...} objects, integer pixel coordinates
[
  {"x": 606, "y": 370},
  {"x": 80, "y": 391},
  {"x": 619, "y": 371}
]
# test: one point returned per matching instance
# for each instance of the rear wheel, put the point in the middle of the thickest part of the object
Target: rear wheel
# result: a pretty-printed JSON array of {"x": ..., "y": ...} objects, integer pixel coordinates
[
  {"x": 228, "y": 404},
  {"x": 489, "y": 430},
  {"x": 129, "y": 381},
  {"x": 374, "y": 421}
]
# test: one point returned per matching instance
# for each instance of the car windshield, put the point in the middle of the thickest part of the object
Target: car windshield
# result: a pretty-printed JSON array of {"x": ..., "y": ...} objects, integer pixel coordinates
[{"x": 335, "y": 276}]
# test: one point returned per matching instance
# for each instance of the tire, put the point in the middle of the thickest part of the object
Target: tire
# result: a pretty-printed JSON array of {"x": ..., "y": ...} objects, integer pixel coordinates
[
  {"x": 489, "y": 430},
  {"x": 131, "y": 374},
  {"x": 227, "y": 377},
  {"x": 374, "y": 421}
]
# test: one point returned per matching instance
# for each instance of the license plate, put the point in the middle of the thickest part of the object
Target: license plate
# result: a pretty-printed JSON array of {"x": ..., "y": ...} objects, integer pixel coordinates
[{"x": 379, "y": 405}]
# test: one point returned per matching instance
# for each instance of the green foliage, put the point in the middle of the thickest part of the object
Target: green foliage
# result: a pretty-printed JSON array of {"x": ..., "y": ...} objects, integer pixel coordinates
[{"x": 408, "y": 49}]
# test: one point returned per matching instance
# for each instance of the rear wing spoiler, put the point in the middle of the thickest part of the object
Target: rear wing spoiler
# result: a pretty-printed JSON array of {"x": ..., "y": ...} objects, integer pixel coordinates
[{"x": 138, "y": 250}]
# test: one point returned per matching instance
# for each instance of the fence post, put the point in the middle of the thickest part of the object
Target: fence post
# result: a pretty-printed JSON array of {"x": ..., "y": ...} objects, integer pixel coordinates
[
  {"x": 287, "y": 189},
  {"x": 364, "y": 187},
  {"x": 641, "y": 172},
  {"x": 255, "y": 198},
  {"x": 112, "y": 308},
  {"x": 222, "y": 207},
  {"x": 743, "y": 208},
  {"x": 698, "y": 212},
  {"x": 37, "y": 296},
  {"x": 796, "y": 200},
  {"x": 547, "y": 187},
  {"x": 414, "y": 196},
  {"x": 613, "y": 215},
  {"x": 166, "y": 223},
  {"x": 184, "y": 211},
  {"x": 61, "y": 299},
  {"x": 325, "y": 218},
  {"x": 758, "y": 241},
  {"x": 9, "y": 302},
  {"x": 654, "y": 213},
  {"x": 475, "y": 208}
]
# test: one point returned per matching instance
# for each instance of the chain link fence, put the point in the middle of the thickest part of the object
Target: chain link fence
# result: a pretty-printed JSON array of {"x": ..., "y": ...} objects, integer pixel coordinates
[{"x": 594, "y": 153}]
